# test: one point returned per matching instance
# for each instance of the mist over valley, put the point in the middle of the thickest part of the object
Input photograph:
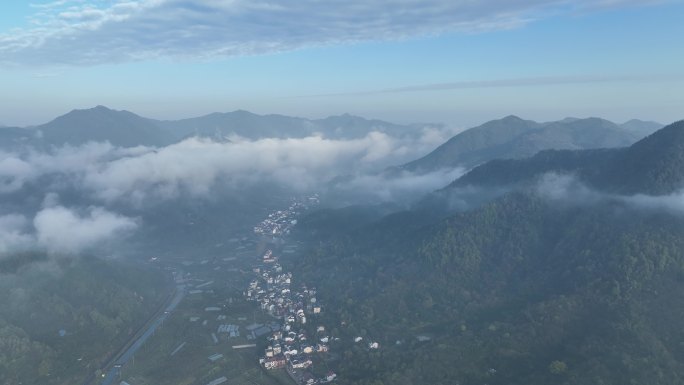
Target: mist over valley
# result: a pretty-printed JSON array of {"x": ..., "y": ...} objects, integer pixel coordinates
[{"x": 208, "y": 192}]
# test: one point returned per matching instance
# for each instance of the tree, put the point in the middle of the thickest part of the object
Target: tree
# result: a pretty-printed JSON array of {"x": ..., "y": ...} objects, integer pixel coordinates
[
  {"x": 44, "y": 368},
  {"x": 558, "y": 367}
]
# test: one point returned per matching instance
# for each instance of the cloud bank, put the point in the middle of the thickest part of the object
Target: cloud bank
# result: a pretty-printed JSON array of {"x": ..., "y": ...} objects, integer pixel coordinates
[
  {"x": 566, "y": 189},
  {"x": 94, "y": 32},
  {"x": 99, "y": 181},
  {"x": 402, "y": 187},
  {"x": 61, "y": 230},
  {"x": 13, "y": 234},
  {"x": 195, "y": 166}
]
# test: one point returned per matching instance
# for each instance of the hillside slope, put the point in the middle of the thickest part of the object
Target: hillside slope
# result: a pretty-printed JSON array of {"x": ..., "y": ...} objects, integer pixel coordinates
[
  {"x": 522, "y": 290},
  {"x": 100, "y": 124},
  {"x": 515, "y": 138},
  {"x": 653, "y": 165},
  {"x": 60, "y": 320}
]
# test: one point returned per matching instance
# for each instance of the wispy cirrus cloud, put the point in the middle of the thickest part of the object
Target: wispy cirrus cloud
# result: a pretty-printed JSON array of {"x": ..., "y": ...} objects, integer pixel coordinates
[
  {"x": 95, "y": 32},
  {"x": 513, "y": 82}
]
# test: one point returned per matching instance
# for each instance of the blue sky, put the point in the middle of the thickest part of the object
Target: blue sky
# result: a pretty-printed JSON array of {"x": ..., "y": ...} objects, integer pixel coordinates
[{"x": 446, "y": 61}]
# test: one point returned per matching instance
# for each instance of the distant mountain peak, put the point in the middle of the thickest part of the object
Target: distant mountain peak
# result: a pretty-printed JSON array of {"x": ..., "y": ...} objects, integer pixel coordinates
[
  {"x": 512, "y": 137},
  {"x": 346, "y": 116},
  {"x": 243, "y": 112},
  {"x": 595, "y": 119},
  {"x": 99, "y": 124},
  {"x": 654, "y": 166},
  {"x": 349, "y": 120},
  {"x": 634, "y": 121},
  {"x": 512, "y": 118},
  {"x": 573, "y": 120},
  {"x": 669, "y": 139},
  {"x": 98, "y": 110}
]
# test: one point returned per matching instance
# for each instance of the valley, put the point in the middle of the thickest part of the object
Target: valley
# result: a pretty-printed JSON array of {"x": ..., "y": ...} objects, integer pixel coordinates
[
  {"x": 386, "y": 192},
  {"x": 526, "y": 270},
  {"x": 215, "y": 332}
]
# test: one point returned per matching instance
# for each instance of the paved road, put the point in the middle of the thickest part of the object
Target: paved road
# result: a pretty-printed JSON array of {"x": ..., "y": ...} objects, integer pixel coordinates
[{"x": 113, "y": 375}]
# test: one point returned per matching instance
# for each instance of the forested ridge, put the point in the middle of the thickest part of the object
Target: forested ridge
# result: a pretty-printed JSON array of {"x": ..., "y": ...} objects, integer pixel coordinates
[
  {"x": 653, "y": 165},
  {"x": 59, "y": 319},
  {"x": 521, "y": 290}
]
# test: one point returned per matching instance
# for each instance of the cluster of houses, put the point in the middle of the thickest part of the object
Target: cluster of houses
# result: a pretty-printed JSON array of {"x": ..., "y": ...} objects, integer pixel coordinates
[
  {"x": 277, "y": 223},
  {"x": 288, "y": 346},
  {"x": 271, "y": 288},
  {"x": 294, "y": 351},
  {"x": 280, "y": 222}
]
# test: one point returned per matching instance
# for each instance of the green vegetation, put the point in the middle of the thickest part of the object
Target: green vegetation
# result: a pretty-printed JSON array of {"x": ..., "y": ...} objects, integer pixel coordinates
[
  {"x": 654, "y": 165},
  {"x": 190, "y": 327},
  {"x": 517, "y": 292},
  {"x": 153, "y": 364},
  {"x": 60, "y": 319},
  {"x": 520, "y": 291}
]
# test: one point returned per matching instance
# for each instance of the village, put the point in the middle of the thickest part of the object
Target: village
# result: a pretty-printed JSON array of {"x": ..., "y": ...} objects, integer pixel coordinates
[
  {"x": 289, "y": 344},
  {"x": 280, "y": 222},
  {"x": 241, "y": 301}
]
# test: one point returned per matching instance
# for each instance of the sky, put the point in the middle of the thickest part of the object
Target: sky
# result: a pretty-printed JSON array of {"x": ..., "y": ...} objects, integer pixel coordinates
[{"x": 453, "y": 61}]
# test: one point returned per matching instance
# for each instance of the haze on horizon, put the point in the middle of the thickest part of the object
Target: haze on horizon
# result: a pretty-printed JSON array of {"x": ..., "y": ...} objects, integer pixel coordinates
[
  {"x": 456, "y": 62},
  {"x": 511, "y": 245}
]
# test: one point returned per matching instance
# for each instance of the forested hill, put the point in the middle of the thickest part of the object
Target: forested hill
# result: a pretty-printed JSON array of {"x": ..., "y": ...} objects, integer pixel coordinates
[
  {"x": 60, "y": 319},
  {"x": 653, "y": 165},
  {"x": 516, "y": 138},
  {"x": 522, "y": 290}
]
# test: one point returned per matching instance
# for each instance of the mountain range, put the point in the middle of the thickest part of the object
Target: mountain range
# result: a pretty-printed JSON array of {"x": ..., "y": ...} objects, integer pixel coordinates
[
  {"x": 126, "y": 129},
  {"x": 510, "y": 137},
  {"x": 564, "y": 266},
  {"x": 556, "y": 283},
  {"x": 513, "y": 137},
  {"x": 653, "y": 165}
]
